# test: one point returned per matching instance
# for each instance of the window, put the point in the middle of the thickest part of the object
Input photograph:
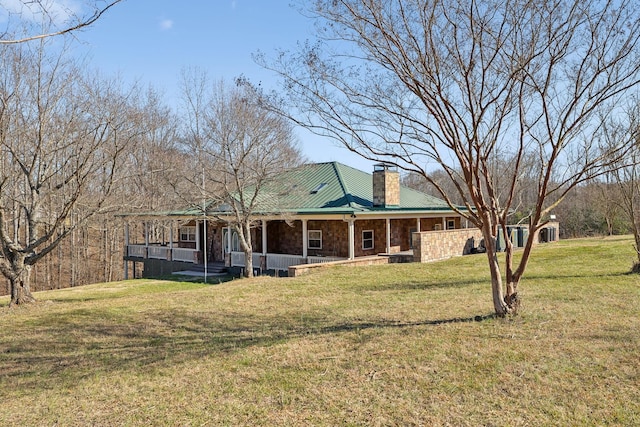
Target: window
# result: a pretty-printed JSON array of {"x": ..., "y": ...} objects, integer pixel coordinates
[
  {"x": 314, "y": 240},
  {"x": 188, "y": 234},
  {"x": 451, "y": 224},
  {"x": 367, "y": 239}
]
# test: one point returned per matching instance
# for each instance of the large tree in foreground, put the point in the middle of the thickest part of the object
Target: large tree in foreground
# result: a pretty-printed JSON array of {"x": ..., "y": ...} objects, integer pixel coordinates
[
  {"x": 61, "y": 136},
  {"x": 624, "y": 181},
  {"x": 460, "y": 85},
  {"x": 243, "y": 147}
]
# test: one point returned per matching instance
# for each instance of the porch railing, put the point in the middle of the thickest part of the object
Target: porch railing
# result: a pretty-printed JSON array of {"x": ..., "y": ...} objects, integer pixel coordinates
[
  {"x": 159, "y": 252},
  {"x": 279, "y": 261},
  {"x": 139, "y": 251},
  {"x": 283, "y": 262},
  {"x": 185, "y": 255},
  {"x": 274, "y": 261},
  {"x": 237, "y": 259}
]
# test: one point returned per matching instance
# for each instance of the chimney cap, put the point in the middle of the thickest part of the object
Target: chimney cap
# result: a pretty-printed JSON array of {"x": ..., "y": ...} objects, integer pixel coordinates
[{"x": 384, "y": 167}]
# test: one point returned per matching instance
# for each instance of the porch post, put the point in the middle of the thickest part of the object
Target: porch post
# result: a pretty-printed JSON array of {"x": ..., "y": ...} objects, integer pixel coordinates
[
  {"x": 229, "y": 231},
  {"x": 352, "y": 239},
  {"x": 444, "y": 223},
  {"x": 264, "y": 237},
  {"x": 126, "y": 248},
  {"x": 146, "y": 233},
  {"x": 304, "y": 238},
  {"x": 171, "y": 225},
  {"x": 418, "y": 224},
  {"x": 197, "y": 236},
  {"x": 388, "y": 237}
]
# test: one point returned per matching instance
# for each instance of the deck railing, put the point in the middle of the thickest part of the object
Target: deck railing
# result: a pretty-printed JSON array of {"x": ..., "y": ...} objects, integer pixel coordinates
[
  {"x": 274, "y": 261},
  {"x": 280, "y": 261},
  {"x": 185, "y": 255},
  {"x": 139, "y": 251},
  {"x": 159, "y": 252},
  {"x": 283, "y": 262},
  {"x": 237, "y": 259}
]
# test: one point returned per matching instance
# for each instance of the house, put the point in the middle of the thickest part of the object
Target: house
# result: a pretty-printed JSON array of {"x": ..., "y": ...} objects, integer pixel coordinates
[{"x": 315, "y": 213}]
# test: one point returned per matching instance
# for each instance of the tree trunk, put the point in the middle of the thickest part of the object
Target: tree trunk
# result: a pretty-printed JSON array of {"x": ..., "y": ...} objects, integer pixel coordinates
[
  {"x": 20, "y": 286},
  {"x": 500, "y": 304},
  {"x": 248, "y": 263},
  {"x": 511, "y": 297}
]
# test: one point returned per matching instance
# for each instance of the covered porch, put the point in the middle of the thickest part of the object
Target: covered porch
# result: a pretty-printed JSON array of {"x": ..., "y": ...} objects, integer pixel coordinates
[{"x": 277, "y": 243}]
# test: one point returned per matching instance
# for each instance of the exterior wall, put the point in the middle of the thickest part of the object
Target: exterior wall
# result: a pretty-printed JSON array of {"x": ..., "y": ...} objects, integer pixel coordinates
[
  {"x": 335, "y": 238},
  {"x": 429, "y": 224},
  {"x": 401, "y": 234},
  {"x": 378, "y": 226},
  {"x": 437, "y": 245},
  {"x": 216, "y": 244},
  {"x": 283, "y": 238},
  {"x": 256, "y": 239}
]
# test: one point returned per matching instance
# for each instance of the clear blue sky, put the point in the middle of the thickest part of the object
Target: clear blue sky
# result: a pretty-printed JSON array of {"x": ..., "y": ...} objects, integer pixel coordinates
[{"x": 151, "y": 41}]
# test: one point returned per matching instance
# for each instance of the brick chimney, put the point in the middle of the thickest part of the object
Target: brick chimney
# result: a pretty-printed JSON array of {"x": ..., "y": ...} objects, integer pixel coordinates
[{"x": 386, "y": 185}]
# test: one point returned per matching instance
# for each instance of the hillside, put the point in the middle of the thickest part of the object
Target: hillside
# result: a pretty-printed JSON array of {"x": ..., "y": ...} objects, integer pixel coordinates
[{"x": 411, "y": 344}]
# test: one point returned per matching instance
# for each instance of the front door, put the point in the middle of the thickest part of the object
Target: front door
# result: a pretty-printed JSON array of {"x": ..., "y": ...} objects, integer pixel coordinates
[{"x": 235, "y": 241}]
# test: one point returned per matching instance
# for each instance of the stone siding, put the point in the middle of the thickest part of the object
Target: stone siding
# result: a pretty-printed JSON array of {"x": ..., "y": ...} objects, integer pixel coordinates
[
  {"x": 438, "y": 245},
  {"x": 386, "y": 188},
  {"x": 378, "y": 226}
]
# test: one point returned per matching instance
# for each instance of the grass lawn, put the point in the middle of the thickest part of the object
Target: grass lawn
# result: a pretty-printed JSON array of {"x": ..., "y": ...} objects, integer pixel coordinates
[{"x": 401, "y": 344}]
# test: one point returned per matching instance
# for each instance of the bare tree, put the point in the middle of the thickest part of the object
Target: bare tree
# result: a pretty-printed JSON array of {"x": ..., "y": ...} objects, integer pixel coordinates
[
  {"x": 625, "y": 179},
  {"x": 61, "y": 136},
  {"x": 28, "y": 20},
  {"x": 243, "y": 147},
  {"x": 458, "y": 84}
]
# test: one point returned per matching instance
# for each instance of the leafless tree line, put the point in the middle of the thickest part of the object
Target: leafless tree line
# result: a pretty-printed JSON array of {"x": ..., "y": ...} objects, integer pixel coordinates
[{"x": 76, "y": 148}]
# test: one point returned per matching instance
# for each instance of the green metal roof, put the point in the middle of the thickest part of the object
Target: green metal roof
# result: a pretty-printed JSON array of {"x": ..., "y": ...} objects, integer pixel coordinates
[
  {"x": 324, "y": 188},
  {"x": 332, "y": 187}
]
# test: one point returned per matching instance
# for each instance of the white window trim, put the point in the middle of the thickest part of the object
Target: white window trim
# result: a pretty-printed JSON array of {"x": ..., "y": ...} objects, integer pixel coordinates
[
  {"x": 309, "y": 239},
  {"x": 189, "y": 231},
  {"x": 372, "y": 239},
  {"x": 451, "y": 224}
]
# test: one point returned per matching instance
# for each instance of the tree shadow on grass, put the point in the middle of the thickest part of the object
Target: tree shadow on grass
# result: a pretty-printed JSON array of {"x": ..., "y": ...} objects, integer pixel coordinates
[
  {"x": 586, "y": 274},
  {"x": 83, "y": 344},
  {"x": 425, "y": 285}
]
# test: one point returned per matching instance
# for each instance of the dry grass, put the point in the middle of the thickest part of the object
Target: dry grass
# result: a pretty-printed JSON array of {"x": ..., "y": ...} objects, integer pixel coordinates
[{"x": 384, "y": 345}]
